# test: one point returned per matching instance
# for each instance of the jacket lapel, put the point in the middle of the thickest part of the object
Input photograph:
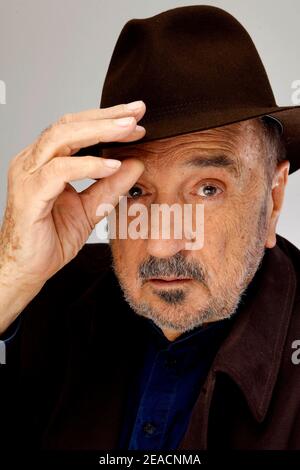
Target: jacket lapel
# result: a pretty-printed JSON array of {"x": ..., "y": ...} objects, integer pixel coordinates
[
  {"x": 106, "y": 340},
  {"x": 251, "y": 354}
]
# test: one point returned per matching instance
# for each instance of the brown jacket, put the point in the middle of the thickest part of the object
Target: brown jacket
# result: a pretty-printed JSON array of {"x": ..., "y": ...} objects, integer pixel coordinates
[{"x": 78, "y": 347}]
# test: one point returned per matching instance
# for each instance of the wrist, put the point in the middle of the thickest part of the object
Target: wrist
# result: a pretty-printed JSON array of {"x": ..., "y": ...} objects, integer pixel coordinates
[{"x": 16, "y": 291}]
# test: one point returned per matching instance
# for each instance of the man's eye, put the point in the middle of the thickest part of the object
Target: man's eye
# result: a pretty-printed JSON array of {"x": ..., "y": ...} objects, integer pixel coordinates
[
  {"x": 208, "y": 190},
  {"x": 135, "y": 192}
]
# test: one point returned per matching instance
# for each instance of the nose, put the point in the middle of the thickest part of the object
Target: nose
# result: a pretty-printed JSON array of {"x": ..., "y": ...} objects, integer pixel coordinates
[
  {"x": 166, "y": 235},
  {"x": 164, "y": 248}
]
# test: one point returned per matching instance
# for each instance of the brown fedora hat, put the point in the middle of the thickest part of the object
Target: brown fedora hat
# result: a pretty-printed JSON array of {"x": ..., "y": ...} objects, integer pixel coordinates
[{"x": 196, "y": 68}]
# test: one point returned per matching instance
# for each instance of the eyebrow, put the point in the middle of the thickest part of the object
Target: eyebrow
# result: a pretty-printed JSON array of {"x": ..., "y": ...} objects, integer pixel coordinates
[{"x": 219, "y": 161}]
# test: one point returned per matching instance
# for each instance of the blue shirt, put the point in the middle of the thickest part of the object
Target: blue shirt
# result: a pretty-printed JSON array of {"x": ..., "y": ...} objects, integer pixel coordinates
[
  {"x": 163, "y": 394},
  {"x": 161, "y": 398}
]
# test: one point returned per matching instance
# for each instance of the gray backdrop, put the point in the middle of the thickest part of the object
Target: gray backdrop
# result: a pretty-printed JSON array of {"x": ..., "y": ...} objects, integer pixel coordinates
[{"x": 55, "y": 53}]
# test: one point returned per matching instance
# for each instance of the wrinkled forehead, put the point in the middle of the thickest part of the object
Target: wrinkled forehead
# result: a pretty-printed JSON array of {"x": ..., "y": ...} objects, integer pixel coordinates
[{"x": 240, "y": 142}]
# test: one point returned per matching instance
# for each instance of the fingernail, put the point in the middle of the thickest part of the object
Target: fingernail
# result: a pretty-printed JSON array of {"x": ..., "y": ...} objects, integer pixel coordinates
[
  {"x": 140, "y": 128},
  {"x": 134, "y": 105},
  {"x": 124, "y": 121},
  {"x": 111, "y": 163}
]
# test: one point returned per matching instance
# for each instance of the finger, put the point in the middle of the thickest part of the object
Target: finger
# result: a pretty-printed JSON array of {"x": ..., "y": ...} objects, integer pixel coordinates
[
  {"x": 51, "y": 179},
  {"x": 108, "y": 190},
  {"x": 62, "y": 139},
  {"x": 136, "y": 109}
]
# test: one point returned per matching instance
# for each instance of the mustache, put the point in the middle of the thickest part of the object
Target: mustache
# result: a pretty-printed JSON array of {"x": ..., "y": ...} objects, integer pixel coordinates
[{"x": 177, "y": 266}]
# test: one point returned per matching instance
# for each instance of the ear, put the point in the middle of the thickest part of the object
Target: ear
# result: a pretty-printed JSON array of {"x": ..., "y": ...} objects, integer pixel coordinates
[{"x": 277, "y": 196}]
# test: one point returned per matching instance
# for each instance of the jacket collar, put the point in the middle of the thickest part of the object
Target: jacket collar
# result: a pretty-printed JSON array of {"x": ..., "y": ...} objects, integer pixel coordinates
[
  {"x": 252, "y": 352},
  {"x": 250, "y": 355}
]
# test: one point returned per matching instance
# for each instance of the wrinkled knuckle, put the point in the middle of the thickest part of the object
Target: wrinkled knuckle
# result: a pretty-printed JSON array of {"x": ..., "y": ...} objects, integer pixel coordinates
[
  {"x": 65, "y": 119},
  {"x": 50, "y": 133},
  {"x": 46, "y": 131},
  {"x": 36, "y": 149},
  {"x": 40, "y": 178},
  {"x": 54, "y": 131},
  {"x": 13, "y": 170},
  {"x": 57, "y": 165}
]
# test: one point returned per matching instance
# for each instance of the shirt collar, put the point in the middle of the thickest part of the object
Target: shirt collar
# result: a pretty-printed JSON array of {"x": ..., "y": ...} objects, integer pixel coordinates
[
  {"x": 193, "y": 349},
  {"x": 197, "y": 336}
]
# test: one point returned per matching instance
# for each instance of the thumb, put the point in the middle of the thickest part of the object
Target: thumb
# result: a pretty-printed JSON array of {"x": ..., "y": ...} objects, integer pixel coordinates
[{"x": 108, "y": 190}]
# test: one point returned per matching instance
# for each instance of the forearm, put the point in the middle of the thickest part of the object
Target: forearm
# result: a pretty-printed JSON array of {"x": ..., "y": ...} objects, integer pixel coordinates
[{"x": 15, "y": 294}]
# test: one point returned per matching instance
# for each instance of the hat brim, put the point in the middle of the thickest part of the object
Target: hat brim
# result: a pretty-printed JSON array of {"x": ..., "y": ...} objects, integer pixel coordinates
[{"x": 178, "y": 122}]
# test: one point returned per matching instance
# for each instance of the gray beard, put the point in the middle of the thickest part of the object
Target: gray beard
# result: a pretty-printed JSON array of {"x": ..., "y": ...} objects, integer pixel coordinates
[{"x": 219, "y": 307}]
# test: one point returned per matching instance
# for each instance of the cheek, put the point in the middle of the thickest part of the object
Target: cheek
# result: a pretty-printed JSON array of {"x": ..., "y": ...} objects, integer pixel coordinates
[
  {"x": 128, "y": 254},
  {"x": 226, "y": 233},
  {"x": 216, "y": 234}
]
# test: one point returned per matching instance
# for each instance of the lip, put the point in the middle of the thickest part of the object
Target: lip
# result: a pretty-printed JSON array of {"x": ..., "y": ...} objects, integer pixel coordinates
[{"x": 168, "y": 282}]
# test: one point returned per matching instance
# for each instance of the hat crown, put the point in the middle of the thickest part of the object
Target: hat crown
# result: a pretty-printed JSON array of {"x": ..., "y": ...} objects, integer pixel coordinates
[
  {"x": 196, "y": 68},
  {"x": 186, "y": 58}
]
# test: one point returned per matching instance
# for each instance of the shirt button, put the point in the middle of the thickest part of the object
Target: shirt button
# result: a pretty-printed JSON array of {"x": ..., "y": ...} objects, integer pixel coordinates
[
  {"x": 149, "y": 428},
  {"x": 170, "y": 362}
]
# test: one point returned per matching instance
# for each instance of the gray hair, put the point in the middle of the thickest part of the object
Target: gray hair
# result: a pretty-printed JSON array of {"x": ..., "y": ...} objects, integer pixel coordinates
[{"x": 274, "y": 145}]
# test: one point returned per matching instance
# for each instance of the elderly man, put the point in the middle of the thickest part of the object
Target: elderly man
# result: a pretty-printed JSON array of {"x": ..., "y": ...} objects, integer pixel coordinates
[{"x": 151, "y": 342}]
